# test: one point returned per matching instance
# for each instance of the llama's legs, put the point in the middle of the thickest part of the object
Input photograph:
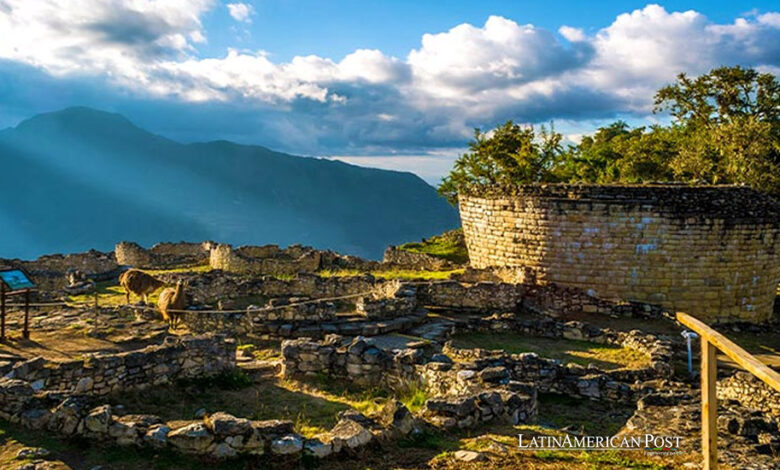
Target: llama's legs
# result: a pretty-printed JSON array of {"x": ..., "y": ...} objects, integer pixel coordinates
[{"x": 127, "y": 295}]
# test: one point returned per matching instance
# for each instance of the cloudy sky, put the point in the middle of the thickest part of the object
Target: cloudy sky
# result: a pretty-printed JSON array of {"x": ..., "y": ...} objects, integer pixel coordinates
[{"x": 392, "y": 84}]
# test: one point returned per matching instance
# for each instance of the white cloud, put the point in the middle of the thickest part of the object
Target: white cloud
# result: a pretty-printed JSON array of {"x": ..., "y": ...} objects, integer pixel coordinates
[
  {"x": 241, "y": 11},
  {"x": 572, "y": 34},
  {"x": 469, "y": 75}
]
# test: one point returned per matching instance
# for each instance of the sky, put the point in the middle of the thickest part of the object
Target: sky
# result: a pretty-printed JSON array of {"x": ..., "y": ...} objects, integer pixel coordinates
[{"x": 391, "y": 84}]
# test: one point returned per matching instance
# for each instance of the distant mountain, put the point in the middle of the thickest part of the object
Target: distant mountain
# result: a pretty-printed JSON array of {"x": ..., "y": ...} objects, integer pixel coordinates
[{"x": 81, "y": 178}]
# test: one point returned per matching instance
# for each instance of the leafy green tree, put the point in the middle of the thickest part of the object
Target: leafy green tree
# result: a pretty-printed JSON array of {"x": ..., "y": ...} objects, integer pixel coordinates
[
  {"x": 725, "y": 129},
  {"x": 728, "y": 121},
  {"x": 510, "y": 154}
]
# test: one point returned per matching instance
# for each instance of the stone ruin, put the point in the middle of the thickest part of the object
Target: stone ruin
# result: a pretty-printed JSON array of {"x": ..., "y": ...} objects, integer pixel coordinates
[{"x": 710, "y": 251}]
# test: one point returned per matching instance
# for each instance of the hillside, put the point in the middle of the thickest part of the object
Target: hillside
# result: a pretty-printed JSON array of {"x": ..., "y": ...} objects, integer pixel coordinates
[{"x": 81, "y": 178}]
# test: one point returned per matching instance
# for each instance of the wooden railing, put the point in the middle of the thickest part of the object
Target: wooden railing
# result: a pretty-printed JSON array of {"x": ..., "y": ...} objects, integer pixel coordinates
[{"x": 711, "y": 341}]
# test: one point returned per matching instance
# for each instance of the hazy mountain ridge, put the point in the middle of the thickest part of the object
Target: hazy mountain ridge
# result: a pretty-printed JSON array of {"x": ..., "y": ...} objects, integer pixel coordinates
[{"x": 81, "y": 178}]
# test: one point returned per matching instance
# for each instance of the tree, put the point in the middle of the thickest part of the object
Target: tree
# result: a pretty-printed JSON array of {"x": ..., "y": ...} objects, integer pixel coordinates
[
  {"x": 725, "y": 130},
  {"x": 510, "y": 154}
]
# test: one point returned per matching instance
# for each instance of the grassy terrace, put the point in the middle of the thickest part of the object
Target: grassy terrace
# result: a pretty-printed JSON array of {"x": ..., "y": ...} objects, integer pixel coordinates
[
  {"x": 580, "y": 352},
  {"x": 449, "y": 246}
]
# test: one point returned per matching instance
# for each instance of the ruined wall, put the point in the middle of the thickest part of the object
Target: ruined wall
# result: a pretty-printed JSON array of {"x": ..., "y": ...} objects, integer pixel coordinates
[
  {"x": 49, "y": 271},
  {"x": 713, "y": 252},
  {"x": 751, "y": 392},
  {"x": 103, "y": 374},
  {"x": 163, "y": 255}
]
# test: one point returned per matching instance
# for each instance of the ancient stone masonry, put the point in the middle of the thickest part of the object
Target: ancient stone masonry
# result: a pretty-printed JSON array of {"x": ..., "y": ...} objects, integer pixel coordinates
[
  {"x": 390, "y": 300},
  {"x": 107, "y": 373},
  {"x": 163, "y": 255},
  {"x": 497, "y": 296},
  {"x": 211, "y": 287},
  {"x": 358, "y": 361},
  {"x": 50, "y": 272},
  {"x": 751, "y": 392},
  {"x": 713, "y": 252},
  {"x": 418, "y": 261},
  {"x": 476, "y": 369},
  {"x": 469, "y": 411},
  {"x": 25, "y": 398}
]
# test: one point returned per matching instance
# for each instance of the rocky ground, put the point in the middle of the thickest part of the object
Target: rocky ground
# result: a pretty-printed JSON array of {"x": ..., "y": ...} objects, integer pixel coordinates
[{"x": 747, "y": 440}]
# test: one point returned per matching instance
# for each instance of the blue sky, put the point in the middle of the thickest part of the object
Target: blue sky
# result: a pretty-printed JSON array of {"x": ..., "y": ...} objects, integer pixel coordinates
[{"x": 390, "y": 84}]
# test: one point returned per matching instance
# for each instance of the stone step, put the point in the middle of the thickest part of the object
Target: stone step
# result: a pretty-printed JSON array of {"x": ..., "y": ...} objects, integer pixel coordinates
[{"x": 437, "y": 330}]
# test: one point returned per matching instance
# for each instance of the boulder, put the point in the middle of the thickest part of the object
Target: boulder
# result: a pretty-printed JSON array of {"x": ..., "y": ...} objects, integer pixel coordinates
[
  {"x": 157, "y": 436},
  {"x": 224, "y": 424},
  {"x": 193, "y": 438},
  {"x": 351, "y": 433},
  {"x": 98, "y": 420},
  {"x": 287, "y": 445}
]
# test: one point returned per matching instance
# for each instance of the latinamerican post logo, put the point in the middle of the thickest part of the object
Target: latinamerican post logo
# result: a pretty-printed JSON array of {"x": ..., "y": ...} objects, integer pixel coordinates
[{"x": 649, "y": 443}]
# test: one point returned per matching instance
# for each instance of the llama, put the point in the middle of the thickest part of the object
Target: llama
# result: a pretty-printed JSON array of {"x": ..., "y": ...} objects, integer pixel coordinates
[
  {"x": 172, "y": 299},
  {"x": 139, "y": 283}
]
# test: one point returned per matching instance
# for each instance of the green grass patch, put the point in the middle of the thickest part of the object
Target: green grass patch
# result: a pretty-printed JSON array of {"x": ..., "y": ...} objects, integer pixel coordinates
[
  {"x": 605, "y": 357},
  {"x": 449, "y": 246},
  {"x": 414, "y": 396},
  {"x": 402, "y": 274}
]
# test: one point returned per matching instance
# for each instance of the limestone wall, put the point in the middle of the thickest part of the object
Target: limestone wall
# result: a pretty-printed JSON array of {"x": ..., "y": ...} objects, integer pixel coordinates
[{"x": 713, "y": 252}]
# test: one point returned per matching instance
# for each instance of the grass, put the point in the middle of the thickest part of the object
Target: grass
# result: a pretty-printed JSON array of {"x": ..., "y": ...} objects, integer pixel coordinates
[
  {"x": 606, "y": 357},
  {"x": 591, "y": 417},
  {"x": 414, "y": 396},
  {"x": 605, "y": 459},
  {"x": 403, "y": 274},
  {"x": 449, "y": 246},
  {"x": 311, "y": 406}
]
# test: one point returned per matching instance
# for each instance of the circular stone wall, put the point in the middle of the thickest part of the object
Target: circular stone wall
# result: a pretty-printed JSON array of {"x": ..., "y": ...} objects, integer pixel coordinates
[{"x": 711, "y": 251}]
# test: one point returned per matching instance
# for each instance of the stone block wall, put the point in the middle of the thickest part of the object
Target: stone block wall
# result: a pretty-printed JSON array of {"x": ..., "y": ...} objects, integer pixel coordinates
[
  {"x": 713, "y": 252},
  {"x": 163, "y": 255},
  {"x": 216, "y": 436},
  {"x": 107, "y": 373},
  {"x": 359, "y": 361},
  {"x": 265, "y": 260},
  {"x": 49, "y": 272},
  {"x": 418, "y": 261},
  {"x": 469, "y": 411},
  {"x": 751, "y": 392}
]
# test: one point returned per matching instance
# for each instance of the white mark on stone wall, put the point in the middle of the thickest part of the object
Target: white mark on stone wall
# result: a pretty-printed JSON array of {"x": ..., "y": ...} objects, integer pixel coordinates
[
  {"x": 644, "y": 248},
  {"x": 591, "y": 230}
]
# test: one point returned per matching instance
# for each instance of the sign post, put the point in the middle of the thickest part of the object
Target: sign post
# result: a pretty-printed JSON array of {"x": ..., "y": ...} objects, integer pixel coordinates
[{"x": 15, "y": 282}]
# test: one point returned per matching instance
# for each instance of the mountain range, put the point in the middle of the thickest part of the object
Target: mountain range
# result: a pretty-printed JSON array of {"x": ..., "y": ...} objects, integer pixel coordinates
[{"x": 81, "y": 178}]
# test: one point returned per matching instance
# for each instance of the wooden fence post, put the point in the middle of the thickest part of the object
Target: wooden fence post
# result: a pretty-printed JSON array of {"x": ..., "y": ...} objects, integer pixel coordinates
[{"x": 709, "y": 405}]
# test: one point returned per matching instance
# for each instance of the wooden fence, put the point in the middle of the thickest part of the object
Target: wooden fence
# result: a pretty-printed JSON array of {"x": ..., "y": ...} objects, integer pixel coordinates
[{"x": 711, "y": 341}]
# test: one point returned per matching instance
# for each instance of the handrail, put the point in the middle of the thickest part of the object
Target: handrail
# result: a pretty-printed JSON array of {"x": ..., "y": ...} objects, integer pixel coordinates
[
  {"x": 732, "y": 350},
  {"x": 711, "y": 340}
]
